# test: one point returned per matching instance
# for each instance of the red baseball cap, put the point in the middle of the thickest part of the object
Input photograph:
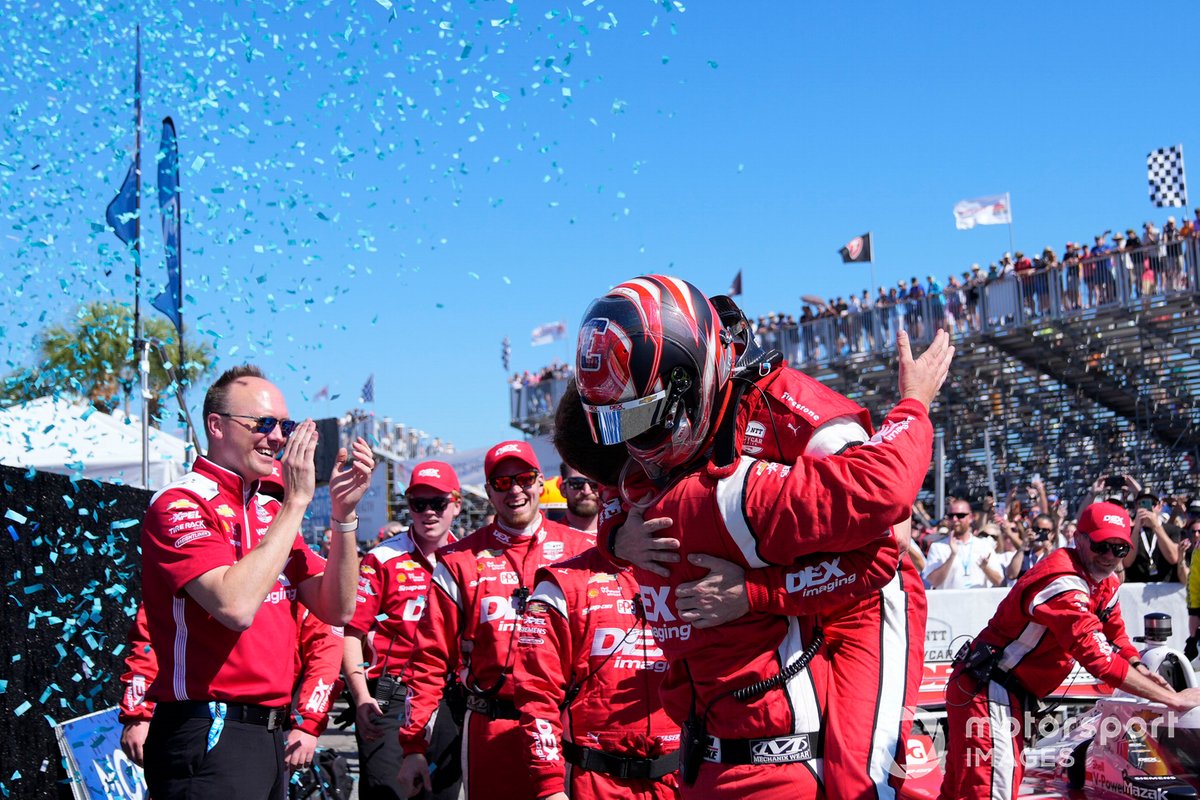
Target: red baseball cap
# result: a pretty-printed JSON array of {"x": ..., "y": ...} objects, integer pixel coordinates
[
  {"x": 273, "y": 484},
  {"x": 1104, "y": 521},
  {"x": 436, "y": 475},
  {"x": 521, "y": 451}
]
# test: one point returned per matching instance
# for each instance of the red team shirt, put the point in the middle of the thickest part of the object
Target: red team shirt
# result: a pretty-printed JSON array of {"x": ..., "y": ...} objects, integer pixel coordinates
[
  {"x": 207, "y": 519},
  {"x": 393, "y": 587}
]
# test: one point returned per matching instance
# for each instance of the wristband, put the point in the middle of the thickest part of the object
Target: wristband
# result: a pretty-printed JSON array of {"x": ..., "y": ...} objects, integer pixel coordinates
[{"x": 345, "y": 527}]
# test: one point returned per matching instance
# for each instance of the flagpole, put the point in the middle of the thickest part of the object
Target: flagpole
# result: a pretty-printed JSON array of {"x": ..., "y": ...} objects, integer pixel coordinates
[
  {"x": 1008, "y": 200},
  {"x": 140, "y": 340}
]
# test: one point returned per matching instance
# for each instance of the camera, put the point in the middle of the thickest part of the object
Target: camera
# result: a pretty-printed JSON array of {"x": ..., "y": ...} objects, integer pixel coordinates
[{"x": 1115, "y": 482}]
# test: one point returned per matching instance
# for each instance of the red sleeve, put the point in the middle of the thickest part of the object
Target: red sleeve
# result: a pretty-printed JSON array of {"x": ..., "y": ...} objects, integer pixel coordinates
[
  {"x": 184, "y": 541},
  {"x": 833, "y": 504},
  {"x": 822, "y": 582},
  {"x": 542, "y": 671},
  {"x": 1114, "y": 629},
  {"x": 141, "y": 667},
  {"x": 321, "y": 664},
  {"x": 435, "y": 654},
  {"x": 1068, "y": 617},
  {"x": 612, "y": 517},
  {"x": 370, "y": 594}
]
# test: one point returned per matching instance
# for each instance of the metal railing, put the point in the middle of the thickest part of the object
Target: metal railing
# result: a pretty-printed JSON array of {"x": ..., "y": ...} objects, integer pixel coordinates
[
  {"x": 1124, "y": 278},
  {"x": 536, "y": 401}
]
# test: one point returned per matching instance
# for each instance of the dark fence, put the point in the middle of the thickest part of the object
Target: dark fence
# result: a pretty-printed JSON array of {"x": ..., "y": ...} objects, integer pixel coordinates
[{"x": 72, "y": 573}]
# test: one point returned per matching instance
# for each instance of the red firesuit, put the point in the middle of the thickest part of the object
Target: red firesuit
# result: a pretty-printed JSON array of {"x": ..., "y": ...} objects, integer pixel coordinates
[
  {"x": 318, "y": 665},
  {"x": 758, "y": 513},
  {"x": 481, "y": 586},
  {"x": 585, "y": 653},
  {"x": 877, "y": 647},
  {"x": 1052, "y": 617}
]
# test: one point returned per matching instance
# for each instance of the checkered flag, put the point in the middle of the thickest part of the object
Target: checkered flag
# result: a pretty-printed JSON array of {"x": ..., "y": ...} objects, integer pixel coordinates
[{"x": 1164, "y": 168}]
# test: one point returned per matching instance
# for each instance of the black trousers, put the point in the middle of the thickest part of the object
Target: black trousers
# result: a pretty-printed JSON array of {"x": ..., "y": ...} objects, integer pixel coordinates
[
  {"x": 246, "y": 763},
  {"x": 379, "y": 760}
]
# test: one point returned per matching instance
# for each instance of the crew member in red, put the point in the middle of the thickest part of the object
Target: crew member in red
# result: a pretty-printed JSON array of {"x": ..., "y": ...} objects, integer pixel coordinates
[
  {"x": 587, "y": 656},
  {"x": 222, "y": 568},
  {"x": 1062, "y": 611},
  {"x": 394, "y": 582},
  {"x": 318, "y": 667},
  {"x": 481, "y": 586},
  {"x": 658, "y": 380}
]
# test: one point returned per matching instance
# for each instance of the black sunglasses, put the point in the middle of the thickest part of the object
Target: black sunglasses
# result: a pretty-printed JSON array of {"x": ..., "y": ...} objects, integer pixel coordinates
[
  {"x": 959, "y": 514},
  {"x": 1120, "y": 549},
  {"x": 265, "y": 424},
  {"x": 502, "y": 483},
  {"x": 1044, "y": 530},
  {"x": 577, "y": 484},
  {"x": 420, "y": 505}
]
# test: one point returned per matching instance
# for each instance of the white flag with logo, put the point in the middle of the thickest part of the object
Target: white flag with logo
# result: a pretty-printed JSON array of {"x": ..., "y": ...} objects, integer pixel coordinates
[
  {"x": 545, "y": 334},
  {"x": 993, "y": 210}
]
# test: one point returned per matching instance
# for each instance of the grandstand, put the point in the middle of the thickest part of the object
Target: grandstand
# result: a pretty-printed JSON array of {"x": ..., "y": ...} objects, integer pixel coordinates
[{"x": 1054, "y": 375}]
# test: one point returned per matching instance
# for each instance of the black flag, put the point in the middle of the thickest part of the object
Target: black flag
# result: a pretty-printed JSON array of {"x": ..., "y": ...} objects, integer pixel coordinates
[
  {"x": 735, "y": 288},
  {"x": 857, "y": 249}
]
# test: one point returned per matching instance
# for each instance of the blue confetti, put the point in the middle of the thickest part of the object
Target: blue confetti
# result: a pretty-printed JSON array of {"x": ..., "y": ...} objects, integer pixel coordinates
[{"x": 16, "y": 517}]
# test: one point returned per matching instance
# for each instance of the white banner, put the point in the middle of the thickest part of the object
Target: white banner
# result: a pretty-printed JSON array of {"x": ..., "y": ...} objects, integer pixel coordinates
[
  {"x": 992, "y": 210},
  {"x": 545, "y": 334}
]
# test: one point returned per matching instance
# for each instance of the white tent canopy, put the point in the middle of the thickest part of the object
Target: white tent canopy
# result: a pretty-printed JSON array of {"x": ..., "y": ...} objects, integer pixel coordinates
[{"x": 72, "y": 438}]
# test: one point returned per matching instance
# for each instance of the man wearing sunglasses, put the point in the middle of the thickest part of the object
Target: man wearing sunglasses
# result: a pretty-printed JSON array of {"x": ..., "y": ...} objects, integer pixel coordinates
[
  {"x": 964, "y": 560},
  {"x": 223, "y": 566},
  {"x": 393, "y": 584},
  {"x": 583, "y": 499},
  {"x": 1061, "y": 612},
  {"x": 480, "y": 588}
]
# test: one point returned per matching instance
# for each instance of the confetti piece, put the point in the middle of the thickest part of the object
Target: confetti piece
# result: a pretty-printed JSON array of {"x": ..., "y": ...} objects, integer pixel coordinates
[
  {"x": 21, "y": 709},
  {"x": 16, "y": 517}
]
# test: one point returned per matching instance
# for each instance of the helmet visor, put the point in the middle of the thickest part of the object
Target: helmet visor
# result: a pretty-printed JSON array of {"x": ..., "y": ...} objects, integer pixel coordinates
[{"x": 620, "y": 422}]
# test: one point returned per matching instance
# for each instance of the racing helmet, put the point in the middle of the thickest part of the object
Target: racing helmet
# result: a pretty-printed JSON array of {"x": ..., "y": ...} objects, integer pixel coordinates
[{"x": 651, "y": 361}]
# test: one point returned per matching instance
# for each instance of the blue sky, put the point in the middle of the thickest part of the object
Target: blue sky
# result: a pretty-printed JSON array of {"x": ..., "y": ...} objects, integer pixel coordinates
[{"x": 392, "y": 190}]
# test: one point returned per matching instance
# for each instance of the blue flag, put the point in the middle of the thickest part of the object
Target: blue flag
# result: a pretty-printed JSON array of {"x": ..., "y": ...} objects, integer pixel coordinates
[
  {"x": 368, "y": 390},
  {"x": 170, "y": 300},
  {"x": 122, "y": 212}
]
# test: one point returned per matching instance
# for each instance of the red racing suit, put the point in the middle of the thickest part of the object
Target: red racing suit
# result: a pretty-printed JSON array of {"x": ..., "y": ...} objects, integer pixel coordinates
[
  {"x": 586, "y": 655},
  {"x": 877, "y": 646},
  {"x": 318, "y": 665},
  {"x": 208, "y": 519},
  {"x": 1054, "y": 616},
  {"x": 469, "y": 626},
  {"x": 751, "y": 514}
]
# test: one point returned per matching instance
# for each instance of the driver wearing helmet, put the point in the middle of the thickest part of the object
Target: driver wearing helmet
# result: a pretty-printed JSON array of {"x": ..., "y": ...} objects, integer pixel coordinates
[{"x": 654, "y": 371}]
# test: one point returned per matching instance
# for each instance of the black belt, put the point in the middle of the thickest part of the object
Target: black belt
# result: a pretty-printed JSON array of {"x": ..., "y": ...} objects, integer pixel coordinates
[
  {"x": 272, "y": 718},
  {"x": 646, "y": 769},
  {"x": 492, "y": 707},
  {"x": 772, "y": 750}
]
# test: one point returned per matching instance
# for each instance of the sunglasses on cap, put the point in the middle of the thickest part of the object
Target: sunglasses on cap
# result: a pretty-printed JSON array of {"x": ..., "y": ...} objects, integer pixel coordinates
[
  {"x": 419, "y": 505},
  {"x": 265, "y": 424},
  {"x": 577, "y": 484},
  {"x": 502, "y": 483},
  {"x": 1118, "y": 549}
]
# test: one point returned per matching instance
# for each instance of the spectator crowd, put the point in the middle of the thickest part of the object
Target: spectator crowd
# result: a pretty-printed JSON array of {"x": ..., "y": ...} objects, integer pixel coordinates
[{"x": 1116, "y": 267}]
